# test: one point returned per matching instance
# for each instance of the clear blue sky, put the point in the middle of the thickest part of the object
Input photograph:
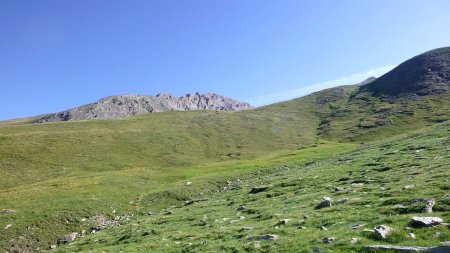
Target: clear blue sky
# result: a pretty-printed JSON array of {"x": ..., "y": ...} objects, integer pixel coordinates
[{"x": 59, "y": 54}]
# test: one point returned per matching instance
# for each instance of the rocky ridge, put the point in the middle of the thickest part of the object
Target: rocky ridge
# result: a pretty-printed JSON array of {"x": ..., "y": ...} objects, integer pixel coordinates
[{"x": 129, "y": 105}]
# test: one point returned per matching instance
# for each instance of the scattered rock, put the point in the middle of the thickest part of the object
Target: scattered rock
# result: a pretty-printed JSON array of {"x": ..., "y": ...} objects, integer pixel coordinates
[
  {"x": 356, "y": 226},
  {"x": 7, "y": 211},
  {"x": 354, "y": 240},
  {"x": 410, "y": 186},
  {"x": 357, "y": 185},
  {"x": 188, "y": 183},
  {"x": 437, "y": 235},
  {"x": 68, "y": 238},
  {"x": 426, "y": 221},
  {"x": 263, "y": 237},
  {"x": 399, "y": 249},
  {"x": 53, "y": 246},
  {"x": 241, "y": 208},
  {"x": 245, "y": 228},
  {"x": 429, "y": 207},
  {"x": 258, "y": 189},
  {"x": 338, "y": 189},
  {"x": 326, "y": 202},
  {"x": 342, "y": 201},
  {"x": 328, "y": 239},
  {"x": 323, "y": 228},
  {"x": 8, "y": 226},
  {"x": 283, "y": 222},
  {"x": 381, "y": 232},
  {"x": 411, "y": 235},
  {"x": 188, "y": 202}
]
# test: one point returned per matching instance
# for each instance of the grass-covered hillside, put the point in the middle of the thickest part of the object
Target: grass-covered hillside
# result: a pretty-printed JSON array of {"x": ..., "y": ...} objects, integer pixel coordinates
[
  {"x": 383, "y": 183},
  {"x": 55, "y": 173},
  {"x": 173, "y": 181}
]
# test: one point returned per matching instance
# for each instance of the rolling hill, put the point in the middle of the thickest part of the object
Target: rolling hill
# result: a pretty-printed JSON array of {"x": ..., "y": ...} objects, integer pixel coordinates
[{"x": 57, "y": 176}]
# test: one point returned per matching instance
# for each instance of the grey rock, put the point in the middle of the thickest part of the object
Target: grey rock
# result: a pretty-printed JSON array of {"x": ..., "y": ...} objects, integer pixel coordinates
[
  {"x": 409, "y": 186},
  {"x": 328, "y": 239},
  {"x": 411, "y": 235},
  {"x": 53, "y": 246},
  {"x": 259, "y": 189},
  {"x": 354, "y": 240},
  {"x": 323, "y": 228},
  {"x": 426, "y": 221},
  {"x": 326, "y": 202},
  {"x": 129, "y": 105},
  {"x": 7, "y": 211},
  {"x": 399, "y": 249},
  {"x": 245, "y": 228},
  {"x": 69, "y": 238},
  {"x": 429, "y": 207},
  {"x": 381, "y": 232},
  {"x": 283, "y": 222},
  {"x": 240, "y": 208},
  {"x": 263, "y": 237}
]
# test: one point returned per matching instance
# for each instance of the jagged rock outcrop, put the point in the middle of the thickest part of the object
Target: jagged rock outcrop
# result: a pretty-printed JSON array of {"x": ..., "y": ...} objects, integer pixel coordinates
[{"x": 128, "y": 105}]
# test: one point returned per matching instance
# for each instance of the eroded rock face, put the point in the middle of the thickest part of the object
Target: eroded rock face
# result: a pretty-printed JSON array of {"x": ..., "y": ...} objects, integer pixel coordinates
[{"x": 129, "y": 105}]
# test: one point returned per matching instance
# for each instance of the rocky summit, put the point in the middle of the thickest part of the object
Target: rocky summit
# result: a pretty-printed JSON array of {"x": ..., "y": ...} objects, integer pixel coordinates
[
  {"x": 128, "y": 105},
  {"x": 424, "y": 74}
]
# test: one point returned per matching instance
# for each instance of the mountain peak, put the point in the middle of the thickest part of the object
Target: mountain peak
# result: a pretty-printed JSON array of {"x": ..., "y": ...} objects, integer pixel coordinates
[
  {"x": 424, "y": 74},
  {"x": 123, "y": 106}
]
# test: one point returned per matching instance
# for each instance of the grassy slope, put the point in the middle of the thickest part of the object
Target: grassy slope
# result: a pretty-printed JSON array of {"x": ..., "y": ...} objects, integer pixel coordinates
[
  {"x": 384, "y": 167},
  {"x": 367, "y": 117},
  {"x": 53, "y": 174}
]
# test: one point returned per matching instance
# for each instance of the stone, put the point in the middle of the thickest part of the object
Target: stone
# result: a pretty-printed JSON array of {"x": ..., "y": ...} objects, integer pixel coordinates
[
  {"x": 188, "y": 183},
  {"x": 316, "y": 249},
  {"x": 429, "y": 207},
  {"x": 326, "y": 202},
  {"x": 437, "y": 235},
  {"x": 53, "y": 246},
  {"x": 245, "y": 228},
  {"x": 356, "y": 226},
  {"x": 328, "y": 239},
  {"x": 338, "y": 189},
  {"x": 7, "y": 211},
  {"x": 411, "y": 235},
  {"x": 263, "y": 237},
  {"x": 283, "y": 222},
  {"x": 323, "y": 228},
  {"x": 258, "y": 189},
  {"x": 426, "y": 221},
  {"x": 342, "y": 201},
  {"x": 8, "y": 226},
  {"x": 354, "y": 240},
  {"x": 381, "y": 232},
  {"x": 69, "y": 238},
  {"x": 399, "y": 249},
  {"x": 241, "y": 208},
  {"x": 409, "y": 186}
]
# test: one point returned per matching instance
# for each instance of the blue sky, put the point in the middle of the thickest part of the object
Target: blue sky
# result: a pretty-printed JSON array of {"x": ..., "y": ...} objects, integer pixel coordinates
[{"x": 55, "y": 55}]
